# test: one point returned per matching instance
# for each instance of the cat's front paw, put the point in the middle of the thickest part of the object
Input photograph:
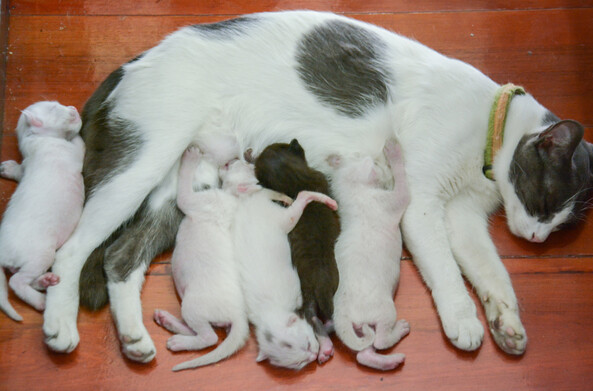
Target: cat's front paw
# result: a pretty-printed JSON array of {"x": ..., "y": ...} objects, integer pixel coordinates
[
  {"x": 461, "y": 324},
  {"x": 137, "y": 345},
  {"x": 61, "y": 334},
  {"x": 506, "y": 327}
]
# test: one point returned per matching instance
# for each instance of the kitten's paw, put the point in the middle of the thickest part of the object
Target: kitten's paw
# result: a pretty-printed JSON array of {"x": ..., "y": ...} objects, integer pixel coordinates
[
  {"x": 192, "y": 154},
  {"x": 370, "y": 358},
  {"x": 180, "y": 342},
  {"x": 326, "y": 349},
  {"x": 61, "y": 334},
  {"x": 9, "y": 169},
  {"x": 505, "y": 326},
  {"x": 388, "y": 338},
  {"x": 47, "y": 280}
]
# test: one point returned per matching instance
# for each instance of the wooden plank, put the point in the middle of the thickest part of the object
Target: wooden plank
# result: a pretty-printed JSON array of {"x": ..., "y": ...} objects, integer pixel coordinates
[
  {"x": 191, "y": 7},
  {"x": 558, "y": 355}
]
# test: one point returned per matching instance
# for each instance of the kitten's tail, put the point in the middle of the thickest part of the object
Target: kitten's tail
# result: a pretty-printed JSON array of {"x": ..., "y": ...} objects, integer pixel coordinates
[
  {"x": 233, "y": 342},
  {"x": 93, "y": 284},
  {"x": 4, "y": 303},
  {"x": 356, "y": 338}
]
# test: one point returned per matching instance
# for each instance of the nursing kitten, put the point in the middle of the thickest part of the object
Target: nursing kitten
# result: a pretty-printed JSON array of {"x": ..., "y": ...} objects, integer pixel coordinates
[
  {"x": 283, "y": 167},
  {"x": 368, "y": 254},
  {"x": 204, "y": 268},
  {"x": 47, "y": 203},
  {"x": 340, "y": 86},
  {"x": 270, "y": 284}
]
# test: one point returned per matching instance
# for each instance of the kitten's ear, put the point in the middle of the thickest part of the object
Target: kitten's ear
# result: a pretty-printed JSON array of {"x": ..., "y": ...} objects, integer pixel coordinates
[
  {"x": 291, "y": 320},
  {"x": 248, "y": 155},
  {"x": 32, "y": 120},
  {"x": 560, "y": 140},
  {"x": 296, "y": 147},
  {"x": 261, "y": 356},
  {"x": 334, "y": 160}
]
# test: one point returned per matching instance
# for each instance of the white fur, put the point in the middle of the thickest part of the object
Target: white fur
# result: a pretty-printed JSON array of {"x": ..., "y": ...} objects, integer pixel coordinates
[
  {"x": 368, "y": 254},
  {"x": 47, "y": 204},
  {"x": 203, "y": 265},
  {"x": 270, "y": 283},
  {"x": 438, "y": 110}
]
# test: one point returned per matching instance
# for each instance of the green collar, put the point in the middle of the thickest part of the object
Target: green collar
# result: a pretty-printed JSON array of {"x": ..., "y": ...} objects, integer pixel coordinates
[{"x": 496, "y": 122}]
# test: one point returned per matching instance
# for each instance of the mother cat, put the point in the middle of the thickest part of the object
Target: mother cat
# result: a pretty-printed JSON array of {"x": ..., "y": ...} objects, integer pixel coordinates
[{"x": 339, "y": 86}]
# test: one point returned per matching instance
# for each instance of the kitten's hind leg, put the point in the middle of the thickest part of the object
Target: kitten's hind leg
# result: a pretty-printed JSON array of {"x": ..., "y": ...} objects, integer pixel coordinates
[
  {"x": 326, "y": 347},
  {"x": 21, "y": 283},
  {"x": 370, "y": 358},
  {"x": 172, "y": 323},
  {"x": 388, "y": 334},
  {"x": 44, "y": 281},
  {"x": 482, "y": 266}
]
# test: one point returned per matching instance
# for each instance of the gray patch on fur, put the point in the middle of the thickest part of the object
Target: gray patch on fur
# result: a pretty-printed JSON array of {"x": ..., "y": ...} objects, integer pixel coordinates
[
  {"x": 342, "y": 65},
  {"x": 145, "y": 236},
  {"x": 111, "y": 143},
  {"x": 550, "y": 118},
  {"x": 226, "y": 28}
]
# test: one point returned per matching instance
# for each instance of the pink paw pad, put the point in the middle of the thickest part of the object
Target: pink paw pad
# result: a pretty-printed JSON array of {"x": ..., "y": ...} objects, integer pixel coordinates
[{"x": 48, "y": 279}]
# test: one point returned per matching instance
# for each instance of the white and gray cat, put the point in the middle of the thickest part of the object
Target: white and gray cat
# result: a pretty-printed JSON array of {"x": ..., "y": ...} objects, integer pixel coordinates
[
  {"x": 47, "y": 203},
  {"x": 339, "y": 86}
]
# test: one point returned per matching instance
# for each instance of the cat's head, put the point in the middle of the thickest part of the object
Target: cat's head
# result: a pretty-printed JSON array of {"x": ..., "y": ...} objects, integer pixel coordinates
[
  {"x": 549, "y": 179},
  {"x": 238, "y": 178},
  {"x": 280, "y": 166},
  {"x": 49, "y": 119},
  {"x": 289, "y": 343}
]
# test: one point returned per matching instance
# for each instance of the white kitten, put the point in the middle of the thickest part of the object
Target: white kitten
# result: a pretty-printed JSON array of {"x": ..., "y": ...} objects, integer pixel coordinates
[
  {"x": 271, "y": 285},
  {"x": 47, "y": 204},
  {"x": 203, "y": 266},
  {"x": 368, "y": 253}
]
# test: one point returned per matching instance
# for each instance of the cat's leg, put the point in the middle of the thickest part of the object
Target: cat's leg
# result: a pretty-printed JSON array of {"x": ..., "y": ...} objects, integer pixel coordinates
[
  {"x": 194, "y": 313},
  {"x": 370, "y": 358},
  {"x": 172, "y": 323},
  {"x": 425, "y": 236},
  {"x": 11, "y": 170},
  {"x": 109, "y": 205},
  {"x": 151, "y": 231},
  {"x": 21, "y": 283},
  {"x": 479, "y": 261},
  {"x": 294, "y": 211},
  {"x": 326, "y": 347}
]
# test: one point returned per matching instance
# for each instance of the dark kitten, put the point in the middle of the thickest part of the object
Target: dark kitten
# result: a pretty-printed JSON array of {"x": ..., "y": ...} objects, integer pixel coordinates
[{"x": 283, "y": 168}]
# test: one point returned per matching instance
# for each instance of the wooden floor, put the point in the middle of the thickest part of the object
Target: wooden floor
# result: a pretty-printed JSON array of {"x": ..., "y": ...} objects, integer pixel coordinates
[{"x": 62, "y": 50}]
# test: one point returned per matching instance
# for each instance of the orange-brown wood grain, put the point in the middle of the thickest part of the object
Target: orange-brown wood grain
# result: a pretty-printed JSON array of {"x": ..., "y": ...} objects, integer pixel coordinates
[{"x": 63, "y": 49}]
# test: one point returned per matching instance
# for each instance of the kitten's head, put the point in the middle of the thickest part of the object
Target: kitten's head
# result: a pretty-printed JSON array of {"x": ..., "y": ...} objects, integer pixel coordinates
[
  {"x": 49, "y": 119},
  {"x": 289, "y": 344},
  {"x": 549, "y": 179},
  {"x": 206, "y": 175},
  {"x": 238, "y": 178},
  {"x": 281, "y": 167}
]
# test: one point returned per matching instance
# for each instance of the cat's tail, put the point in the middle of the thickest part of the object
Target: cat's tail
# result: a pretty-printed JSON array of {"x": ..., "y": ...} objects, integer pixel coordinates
[
  {"x": 5, "y": 305},
  {"x": 233, "y": 342},
  {"x": 93, "y": 284},
  {"x": 356, "y": 337}
]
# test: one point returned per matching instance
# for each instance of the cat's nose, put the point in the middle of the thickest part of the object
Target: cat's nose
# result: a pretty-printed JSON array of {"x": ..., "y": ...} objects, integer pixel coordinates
[{"x": 536, "y": 239}]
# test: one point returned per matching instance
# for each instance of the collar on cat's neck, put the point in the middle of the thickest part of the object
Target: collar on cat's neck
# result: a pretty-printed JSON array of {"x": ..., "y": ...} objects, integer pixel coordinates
[{"x": 496, "y": 122}]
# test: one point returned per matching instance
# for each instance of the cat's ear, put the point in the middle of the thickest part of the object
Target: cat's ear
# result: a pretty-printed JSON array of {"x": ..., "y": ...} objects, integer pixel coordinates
[
  {"x": 296, "y": 147},
  {"x": 292, "y": 320},
  {"x": 560, "y": 140},
  {"x": 32, "y": 120},
  {"x": 334, "y": 160},
  {"x": 261, "y": 356}
]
